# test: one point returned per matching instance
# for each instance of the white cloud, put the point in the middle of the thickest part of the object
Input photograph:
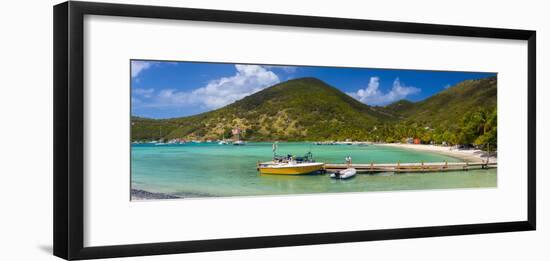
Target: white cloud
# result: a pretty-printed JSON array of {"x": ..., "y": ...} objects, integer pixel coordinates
[
  {"x": 219, "y": 92},
  {"x": 249, "y": 79},
  {"x": 287, "y": 69},
  {"x": 140, "y": 66},
  {"x": 147, "y": 93},
  {"x": 372, "y": 95}
]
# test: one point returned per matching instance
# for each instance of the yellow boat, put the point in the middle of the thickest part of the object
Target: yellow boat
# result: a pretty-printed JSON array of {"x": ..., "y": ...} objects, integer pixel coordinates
[{"x": 289, "y": 168}]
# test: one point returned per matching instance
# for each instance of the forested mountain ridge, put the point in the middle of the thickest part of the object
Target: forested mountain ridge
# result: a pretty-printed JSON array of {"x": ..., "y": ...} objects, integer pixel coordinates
[{"x": 309, "y": 109}]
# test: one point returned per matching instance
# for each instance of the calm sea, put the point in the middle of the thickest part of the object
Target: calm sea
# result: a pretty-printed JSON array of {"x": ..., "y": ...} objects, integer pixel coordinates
[{"x": 209, "y": 170}]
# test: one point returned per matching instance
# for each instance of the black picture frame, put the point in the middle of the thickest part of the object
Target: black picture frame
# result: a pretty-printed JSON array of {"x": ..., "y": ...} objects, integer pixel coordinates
[{"x": 69, "y": 128}]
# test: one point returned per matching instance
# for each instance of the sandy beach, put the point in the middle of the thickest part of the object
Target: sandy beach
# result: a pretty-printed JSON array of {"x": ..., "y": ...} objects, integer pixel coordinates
[{"x": 468, "y": 155}]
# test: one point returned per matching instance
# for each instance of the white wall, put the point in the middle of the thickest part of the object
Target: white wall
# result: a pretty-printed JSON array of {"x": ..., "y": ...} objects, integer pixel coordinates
[{"x": 26, "y": 129}]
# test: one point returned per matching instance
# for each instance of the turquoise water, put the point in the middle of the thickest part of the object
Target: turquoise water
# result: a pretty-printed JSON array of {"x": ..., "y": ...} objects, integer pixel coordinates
[{"x": 209, "y": 169}]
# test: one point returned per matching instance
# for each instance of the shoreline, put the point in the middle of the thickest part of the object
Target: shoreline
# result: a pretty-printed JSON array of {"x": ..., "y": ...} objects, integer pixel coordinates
[
  {"x": 139, "y": 194},
  {"x": 467, "y": 155},
  {"x": 470, "y": 155}
]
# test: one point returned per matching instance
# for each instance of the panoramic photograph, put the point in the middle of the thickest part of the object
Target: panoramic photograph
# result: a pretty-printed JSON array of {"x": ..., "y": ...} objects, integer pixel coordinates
[{"x": 203, "y": 129}]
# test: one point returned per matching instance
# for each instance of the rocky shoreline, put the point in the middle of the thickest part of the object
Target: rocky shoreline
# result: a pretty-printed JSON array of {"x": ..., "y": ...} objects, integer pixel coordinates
[{"x": 138, "y": 194}]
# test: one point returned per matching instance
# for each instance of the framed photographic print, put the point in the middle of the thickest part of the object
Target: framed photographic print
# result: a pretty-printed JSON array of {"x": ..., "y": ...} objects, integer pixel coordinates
[{"x": 184, "y": 130}]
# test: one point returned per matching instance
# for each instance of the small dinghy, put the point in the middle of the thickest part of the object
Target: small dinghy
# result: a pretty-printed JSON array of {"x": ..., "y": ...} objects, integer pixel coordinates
[{"x": 344, "y": 174}]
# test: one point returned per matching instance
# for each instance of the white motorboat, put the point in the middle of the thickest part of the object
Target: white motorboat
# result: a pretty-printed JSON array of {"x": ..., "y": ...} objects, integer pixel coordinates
[
  {"x": 238, "y": 143},
  {"x": 344, "y": 174}
]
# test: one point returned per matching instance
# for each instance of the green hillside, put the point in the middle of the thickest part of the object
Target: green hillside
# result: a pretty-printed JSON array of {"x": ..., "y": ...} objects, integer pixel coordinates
[
  {"x": 449, "y": 105},
  {"x": 300, "y": 109},
  {"x": 309, "y": 109},
  {"x": 468, "y": 107}
]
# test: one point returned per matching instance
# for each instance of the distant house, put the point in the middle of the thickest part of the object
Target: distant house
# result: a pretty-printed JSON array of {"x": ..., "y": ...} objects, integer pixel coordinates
[
  {"x": 409, "y": 140},
  {"x": 416, "y": 141},
  {"x": 236, "y": 133}
]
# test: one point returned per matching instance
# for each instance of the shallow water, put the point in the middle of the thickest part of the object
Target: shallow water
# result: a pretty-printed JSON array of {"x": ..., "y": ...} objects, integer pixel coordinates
[{"x": 209, "y": 169}]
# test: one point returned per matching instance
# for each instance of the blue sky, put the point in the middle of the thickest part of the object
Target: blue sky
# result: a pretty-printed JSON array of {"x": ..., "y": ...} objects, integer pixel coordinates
[{"x": 175, "y": 89}]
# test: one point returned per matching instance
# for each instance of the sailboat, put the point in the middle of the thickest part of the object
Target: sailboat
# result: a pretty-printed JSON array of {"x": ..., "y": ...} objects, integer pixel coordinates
[
  {"x": 238, "y": 142},
  {"x": 223, "y": 141},
  {"x": 160, "y": 141}
]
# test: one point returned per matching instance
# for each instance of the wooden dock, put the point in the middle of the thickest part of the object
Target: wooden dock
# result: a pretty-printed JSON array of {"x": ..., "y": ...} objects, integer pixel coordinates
[{"x": 411, "y": 167}]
